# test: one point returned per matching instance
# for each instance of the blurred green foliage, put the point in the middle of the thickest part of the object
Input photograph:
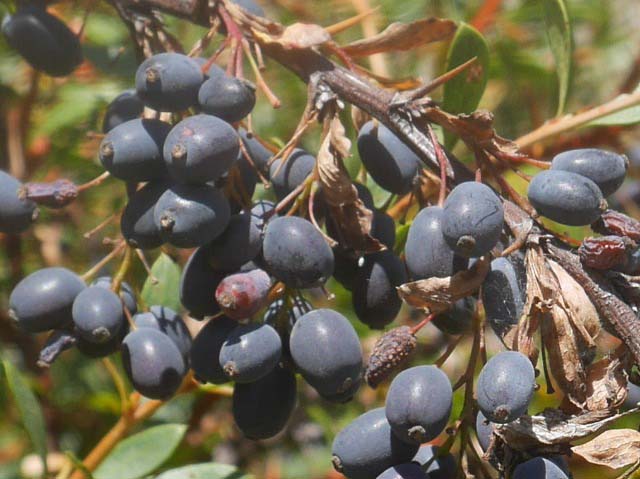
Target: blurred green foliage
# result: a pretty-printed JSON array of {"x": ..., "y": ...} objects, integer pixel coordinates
[{"x": 77, "y": 395}]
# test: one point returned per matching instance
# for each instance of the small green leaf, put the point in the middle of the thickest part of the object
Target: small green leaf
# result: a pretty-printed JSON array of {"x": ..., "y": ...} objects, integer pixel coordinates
[
  {"x": 402, "y": 231},
  {"x": 79, "y": 464},
  {"x": 561, "y": 43},
  {"x": 29, "y": 409},
  {"x": 166, "y": 291},
  {"x": 462, "y": 94},
  {"x": 628, "y": 116},
  {"x": 204, "y": 471},
  {"x": 142, "y": 453}
]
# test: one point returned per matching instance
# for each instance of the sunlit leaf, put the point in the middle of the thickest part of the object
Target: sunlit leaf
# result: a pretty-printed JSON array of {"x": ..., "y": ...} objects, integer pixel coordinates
[
  {"x": 165, "y": 291},
  {"x": 29, "y": 409},
  {"x": 462, "y": 93},
  {"x": 142, "y": 453},
  {"x": 561, "y": 43}
]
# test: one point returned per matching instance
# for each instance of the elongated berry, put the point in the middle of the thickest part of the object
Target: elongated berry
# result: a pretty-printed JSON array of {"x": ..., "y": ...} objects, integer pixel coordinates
[
  {"x": 98, "y": 314},
  {"x": 205, "y": 350},
  {"x": 241, "y": 295},
  {"x": 16, "y": 213},
  {"x": 605, "y": 168},
  {"x": 167, "y": 321},
  {"x": 250, "y": 352}
]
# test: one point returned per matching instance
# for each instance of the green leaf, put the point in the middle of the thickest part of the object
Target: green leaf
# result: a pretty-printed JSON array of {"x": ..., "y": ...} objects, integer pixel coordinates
[
  {"x": 561, "y": 43},
  {"x": 29, "y": 409},
  {"x": 142, "y": 453},
  {"x": 628, "y": 116},
  {"x": 204, "y": 471},
  {"x": 462, "y": 94},
  {"x": 166, "y": 291}
]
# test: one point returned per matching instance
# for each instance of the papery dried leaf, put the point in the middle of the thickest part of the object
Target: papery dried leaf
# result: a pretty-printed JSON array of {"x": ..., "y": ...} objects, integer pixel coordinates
[
  {"x": 475, "y": 129},
  {"x": 303, "y": 35},
  {"x": 535, "y": 308},
  {"x": 350, "y": 216},
  {"x": 606, "y": 384},
  {"x": 616, "y": 448},
  {"x": 438, "y": 294},
  {"x": 403, "y": 36},
  {"x": 553, "y": 427},
  {"x": 359, "y": 117}
]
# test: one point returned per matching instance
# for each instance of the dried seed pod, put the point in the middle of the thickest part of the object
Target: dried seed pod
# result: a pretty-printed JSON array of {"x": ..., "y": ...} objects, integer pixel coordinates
[
  {"x": 392, "y": 350},
  {"x": 613, "y": 222},
  {"x": 56, "y": 194},
  {"x": 605, "y": 252}
]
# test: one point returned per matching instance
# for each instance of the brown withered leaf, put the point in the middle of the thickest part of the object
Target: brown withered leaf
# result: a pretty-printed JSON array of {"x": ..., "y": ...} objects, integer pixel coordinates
[
  {"x": 615, "y": 448},
  {"x": 403, "y": 36},
  {"x": 522, "y": 337},
  {"x": 438, "y": 294},
  {"x": 565, "y": 334},
  {"x": 553, "y": 427},
  {"x": 297, "y": 36},
  {"x": 606, "y": 384},
  {"x": 351, "y": 217}
]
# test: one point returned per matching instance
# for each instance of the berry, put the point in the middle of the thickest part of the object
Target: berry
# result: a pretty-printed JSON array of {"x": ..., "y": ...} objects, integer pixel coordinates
[
  {"x": 127, "y": 294},
  {"x": 458, "y": 319},
  {"x": 427, "y": 254},
  {"x": 484, "y": 431},
  {"x": 250, "y": 352},
  {"x": 241, "y": 242},
  {"x": 44, "y": 299},
  {"x": 296, "y": 253},
  {"x": 326, "y": 350},
  {"x": 365, "y": 195},
  {"x": 565, "y": 197},
  {"x": 472, "y": 219},
  {"x": 295, "y": 171},
  {"x": 126, "y": 106},
  {"x": 263, "y": 211},
  {"x": 97, "y": 314},
  {"x": 256, "y": 151},
  {"x": 419, "y": 403},
  {"x": 227, "y": 97},
  {"x": 408, "y": 470},
  {"x": 200, "y": 148},
  {"x": 504, "y": 294},
  {"x": 367, "y": 447},
  {"x": 538, "y": 468},
  {"x": 198, "y": 284},
  {"x": 443, "y": 467},
  {"x": 167, "y": 321},
  {"x": 205, "y": 350},
  {"x": 505, "y": 387},
  {"x": 137, "y": 224},
  {"x": 16, "y": 214},
  {"x": 42, "y": 40},
  {"x": 153, "y": 363},
  {"x": 261, "y": 409},
  {"x": 346, "y": 267},
  {"x": 633, "y": 396},
  {"x": 605, "y": 168},
  {"x": 191, "y": 215},
  {"x": 169, "y": 82},
  {"x": 102, "y": 350},
  {"x": 241, "y": 295},
  {"x": 132, "y": 151},
  {"x": 388, "y": 160},
  {"x": 374, "y": 298},
  {"x": 276, "y": 312},
  {"x": 383, "y": 228}
]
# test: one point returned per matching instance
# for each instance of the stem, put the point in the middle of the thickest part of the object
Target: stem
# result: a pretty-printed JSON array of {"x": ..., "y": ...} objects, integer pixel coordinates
[
  {"x": 572, "y": 122},
  {"x": 122, "y": 272},
  {"x": 103, "y": 262},
  {"x": 95, "y": 182},
  {"x": 118, "y": 382}
]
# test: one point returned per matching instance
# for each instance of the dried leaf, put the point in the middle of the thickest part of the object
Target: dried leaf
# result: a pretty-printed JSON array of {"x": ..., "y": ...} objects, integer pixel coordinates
[
  {"x": 403, "y": 36},
  {"x": 553, "y": 427},
  {"x": 351, "y": 217},
  {"x": 438, "y": 294},
  {"x": 298, "y": 36},
  {"x": 606, "y": 384},
  {"x": 616, "y": 448}
]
